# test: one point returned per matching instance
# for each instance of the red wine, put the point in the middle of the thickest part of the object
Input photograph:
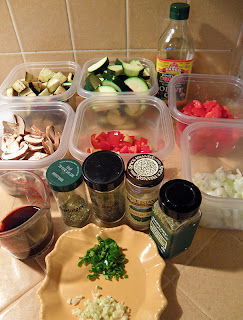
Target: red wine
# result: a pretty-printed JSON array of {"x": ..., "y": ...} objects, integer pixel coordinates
[{"x": 17, "y": 217}]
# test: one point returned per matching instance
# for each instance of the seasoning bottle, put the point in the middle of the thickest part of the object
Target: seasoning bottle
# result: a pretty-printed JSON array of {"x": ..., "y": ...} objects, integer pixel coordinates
[
  {"x": 175, "y": 216},
  {"x": 144, "y": 176},
  {"x": 103, "y": 172},
  {"x": 175, "y": 49},
  {"x": 66, "y": 181}
]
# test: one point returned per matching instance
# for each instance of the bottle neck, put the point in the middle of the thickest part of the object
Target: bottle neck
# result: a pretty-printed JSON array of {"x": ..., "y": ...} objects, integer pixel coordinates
[{"x": 178, "y": 23}]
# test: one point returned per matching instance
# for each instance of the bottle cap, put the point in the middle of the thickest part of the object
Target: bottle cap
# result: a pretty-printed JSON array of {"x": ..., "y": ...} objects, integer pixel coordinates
[
  {"x": 180, "y": 199},
  {"x": 103, "y": 170},
  {"x": 179, "y": 11},
  {"x": 64, "y": 175},
  {"x": 145, "y": 170}
]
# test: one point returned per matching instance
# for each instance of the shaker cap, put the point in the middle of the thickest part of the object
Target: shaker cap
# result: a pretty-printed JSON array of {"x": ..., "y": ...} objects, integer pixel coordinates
[
  {"x": 180, "y": 199},
  {"x": 145, "y": 170},
  {"x": 103, "y": 170},
  {"x": 179, "y": 11},
  {"x": 64, "y": 175}
]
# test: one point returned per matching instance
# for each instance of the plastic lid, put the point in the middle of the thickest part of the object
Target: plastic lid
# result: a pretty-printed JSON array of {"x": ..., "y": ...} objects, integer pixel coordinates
[
  {"x": 180, "y": 199},
  {"x": 64, "y": 175},
  {"x": 145, "y": 170},
  {"x": 179, "y": 11},
  {"x": 103, "y": 170}
]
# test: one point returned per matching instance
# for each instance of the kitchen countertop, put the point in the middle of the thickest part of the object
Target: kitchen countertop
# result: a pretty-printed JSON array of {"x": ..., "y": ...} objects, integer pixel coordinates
[{"x": 204, "y": 282}]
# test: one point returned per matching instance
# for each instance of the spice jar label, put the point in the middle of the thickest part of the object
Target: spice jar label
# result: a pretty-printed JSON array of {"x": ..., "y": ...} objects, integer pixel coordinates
[{"x": 139, "y": 210}]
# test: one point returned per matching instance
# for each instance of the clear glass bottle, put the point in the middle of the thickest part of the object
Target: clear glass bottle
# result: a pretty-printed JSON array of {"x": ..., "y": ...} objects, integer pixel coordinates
[
  {"x": 103, "y": 173},
  {"x": 144, "y": 176},
  {"x": 175, "y": 49},
  {"x": 66, "y": 181},
  {"x": 175, "y": 217}
]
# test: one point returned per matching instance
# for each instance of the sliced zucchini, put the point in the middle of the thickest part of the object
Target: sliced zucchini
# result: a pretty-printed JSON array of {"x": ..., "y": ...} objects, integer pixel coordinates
[
  {"x": 115, "y": 69},
  {"x": 146, "y": 73},
  {"x": 30, "y": 78},
  {"x": 19, "y": 86},
  {"x": 112, "y": 84},
  {"x": 60, "y": 76},
  {"x": 106, "y": 106},
  {"x": 136, "y": 84},
  {"x": 45, "y": 75},
  {"x": 132, "y": 70},
  {"x": 92, "y": 82},
  {"x": 136, "y": 62},
  {"x": 107, "y": 89},
  {"x": 114, "y": 117},
  {"x": 108, "y": 75},
  {"x": 119, "y": 62},
  {"x": 53, "y": 84},
  {"x": 134, "y": 112},
  {"x": 99, "y": 66}
]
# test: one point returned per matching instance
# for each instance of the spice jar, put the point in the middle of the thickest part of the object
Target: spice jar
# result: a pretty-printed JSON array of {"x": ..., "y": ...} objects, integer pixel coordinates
[
  {"x": 175, "y": 216},
  {"x": 144, "y": 176},
  {"x": 66, "y": 181},
  {"x": 103, "y": 172}
]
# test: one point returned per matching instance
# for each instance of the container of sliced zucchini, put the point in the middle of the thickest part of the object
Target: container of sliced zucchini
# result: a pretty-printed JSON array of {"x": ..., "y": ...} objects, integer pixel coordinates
[
  {"x": 118, "y": 76},
  {"x": 128, "y": 125},
  {"x": 42, "y": 82}
]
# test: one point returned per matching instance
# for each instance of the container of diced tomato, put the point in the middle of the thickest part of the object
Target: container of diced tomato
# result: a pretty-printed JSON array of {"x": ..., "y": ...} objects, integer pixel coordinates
[
  {"x": 127, "y": 125},
  {"x": 205, "y": 97}
]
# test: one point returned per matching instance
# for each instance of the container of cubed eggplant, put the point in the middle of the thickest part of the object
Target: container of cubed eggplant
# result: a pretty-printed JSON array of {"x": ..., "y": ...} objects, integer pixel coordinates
[
  {"x": 42, "y": 82},
  {"x": 118, "y": 76}
]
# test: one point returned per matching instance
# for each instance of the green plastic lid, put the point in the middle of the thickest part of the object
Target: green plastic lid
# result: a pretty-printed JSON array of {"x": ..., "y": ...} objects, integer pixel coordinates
[
  {"x": 64, "y": 175},
  {"x": 179, "y": 11}
]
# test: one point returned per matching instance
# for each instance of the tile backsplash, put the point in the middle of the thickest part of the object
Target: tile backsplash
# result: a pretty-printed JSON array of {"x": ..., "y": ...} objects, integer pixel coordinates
[{"x": 78, "y": 30}]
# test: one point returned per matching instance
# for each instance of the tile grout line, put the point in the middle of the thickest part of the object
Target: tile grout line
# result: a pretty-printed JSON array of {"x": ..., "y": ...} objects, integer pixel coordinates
[
  {"x": 15, "y": 29},
  {"x": 70, "y": 30}
]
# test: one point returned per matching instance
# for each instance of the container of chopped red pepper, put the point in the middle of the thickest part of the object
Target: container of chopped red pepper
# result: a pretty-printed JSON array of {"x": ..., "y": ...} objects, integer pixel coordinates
[
  {"x": 126, "y": 125},
  {"x": 205, "y": 97}
]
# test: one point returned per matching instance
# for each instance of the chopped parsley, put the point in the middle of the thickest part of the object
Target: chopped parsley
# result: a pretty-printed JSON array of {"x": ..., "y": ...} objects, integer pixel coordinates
[{"x": 106, "y": 258}]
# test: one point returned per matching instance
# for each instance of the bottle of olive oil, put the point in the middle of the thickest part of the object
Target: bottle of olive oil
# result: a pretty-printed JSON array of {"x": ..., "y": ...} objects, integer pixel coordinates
[{"x": 175, "y": 48}]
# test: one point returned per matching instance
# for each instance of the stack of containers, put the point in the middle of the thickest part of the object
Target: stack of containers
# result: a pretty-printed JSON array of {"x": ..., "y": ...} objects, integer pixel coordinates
[
  {"x": 40, "y": 111},
  {"x": 212, "y": 147}
]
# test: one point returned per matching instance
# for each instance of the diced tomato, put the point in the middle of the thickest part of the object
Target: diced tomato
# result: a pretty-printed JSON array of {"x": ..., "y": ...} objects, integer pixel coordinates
[
  {"x": 198, "y": 112},
  {"x": 124, "y": 149},
  {"x": 143, "y": 140},
  {"x": 145, "y": 149},
  {"x": 101, "y": 136},
  {"x": 197, "y": 104},
  {"x": 208, "y": 105},
  {"x": 104, "y": 145},
  {"x": 133, "y": 149},
  {"x": 89, "y": 150},
  {"x": 94, "y": 142}
]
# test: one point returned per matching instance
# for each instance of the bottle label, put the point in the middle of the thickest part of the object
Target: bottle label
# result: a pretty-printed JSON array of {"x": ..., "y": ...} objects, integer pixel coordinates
[
  {"x": 139, "y": 210},
  {"x": 166, "y": 69}
]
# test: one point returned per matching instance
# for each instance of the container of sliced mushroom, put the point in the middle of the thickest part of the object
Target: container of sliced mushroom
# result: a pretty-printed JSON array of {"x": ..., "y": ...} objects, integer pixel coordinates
[{"x": 34, "y": 135}]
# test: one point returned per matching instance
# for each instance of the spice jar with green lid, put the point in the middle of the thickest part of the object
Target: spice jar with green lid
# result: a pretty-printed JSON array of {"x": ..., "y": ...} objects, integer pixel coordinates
[
  {"x": 175, "y": 217},
  {"x": 66, "y": 181},
  {"x": 103, "y": 172},
  {"x": 144, "y": 176}
]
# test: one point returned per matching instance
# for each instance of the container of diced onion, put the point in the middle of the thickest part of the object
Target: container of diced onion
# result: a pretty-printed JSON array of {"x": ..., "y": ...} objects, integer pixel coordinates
[{"x": 211, "y": 155}]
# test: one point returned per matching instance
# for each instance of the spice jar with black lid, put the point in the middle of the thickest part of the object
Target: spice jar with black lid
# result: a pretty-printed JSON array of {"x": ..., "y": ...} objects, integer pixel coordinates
[
  {"x": 66, "y": 181},
  {"x": 175, "y": 217},
  {"x": 144, "y": 176},
  {"x": 103, "y": 172}
]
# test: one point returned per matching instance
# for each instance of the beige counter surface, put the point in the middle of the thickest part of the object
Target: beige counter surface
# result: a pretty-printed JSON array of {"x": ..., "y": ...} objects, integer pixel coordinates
[{"x": 205, "y": 282}]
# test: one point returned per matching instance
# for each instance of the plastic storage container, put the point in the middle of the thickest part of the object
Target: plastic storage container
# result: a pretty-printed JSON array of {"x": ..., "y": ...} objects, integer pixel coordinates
[
  {"x": 58, "y": 114},
  {"x": 152, "y": 121},
  {"x": 226, "y": 90},
  {"x": 147, "y": 63},
  {"x": 205, "y": 147},
  {"x": 34, "y": 68}
]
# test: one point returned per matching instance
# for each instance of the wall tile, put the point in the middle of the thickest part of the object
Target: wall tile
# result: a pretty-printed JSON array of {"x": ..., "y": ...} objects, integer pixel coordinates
[
  {"x": 42, "y": 25},
  {"x": 212, "y": 62},
  {"x": 146, "y": 21},
  {"x": 8, "y": 39},
  {"x": 98, "y": 24},
  {"x": 48, "y": 56},
  {"x": 148, "y": 54},
  {"x": 8, "y": 62},
  {"x": 215, "y": 24},
  {"x": 205, "y": 278}
]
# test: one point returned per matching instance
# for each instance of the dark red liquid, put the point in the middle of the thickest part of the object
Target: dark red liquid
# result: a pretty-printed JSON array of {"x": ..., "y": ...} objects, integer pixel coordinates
[{"x": 17, "y": 217}]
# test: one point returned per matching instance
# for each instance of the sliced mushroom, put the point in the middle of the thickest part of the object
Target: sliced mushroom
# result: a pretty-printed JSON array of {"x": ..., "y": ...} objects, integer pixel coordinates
[
  {"x": 50, "y": 132},
  {"x": 38, "y": 155},
  {"x": 9, "y": 127},
  {"x": 36, "y": 131},
  {"x": 20, "y": 122},
  {"x": 32, "y": 139},
  {"x": 56, "y": 141},
  {"x": 48, "y": 146},
  {"x": 36, "y": 147},
  {"x": 23, "y": 148}
]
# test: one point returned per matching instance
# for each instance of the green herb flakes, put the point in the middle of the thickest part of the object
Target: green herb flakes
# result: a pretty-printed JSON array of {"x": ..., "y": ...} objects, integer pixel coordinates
[{"x": 106, "y": 258}]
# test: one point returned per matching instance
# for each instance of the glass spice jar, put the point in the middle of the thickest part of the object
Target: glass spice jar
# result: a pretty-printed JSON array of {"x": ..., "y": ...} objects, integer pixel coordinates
[
  {"x": 103, "y": 172},
  {"x": 144, "y": 176},
  {"x": 175, "y": 217},
  {"x": 66, "y": 181}
]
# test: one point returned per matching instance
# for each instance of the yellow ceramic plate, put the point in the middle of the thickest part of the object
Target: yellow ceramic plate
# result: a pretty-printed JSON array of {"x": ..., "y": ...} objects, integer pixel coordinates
[{"x": 141, "y": 291}]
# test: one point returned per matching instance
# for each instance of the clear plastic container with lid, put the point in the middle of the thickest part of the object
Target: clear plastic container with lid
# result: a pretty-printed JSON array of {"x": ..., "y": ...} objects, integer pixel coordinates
[
  {"x": 103, "y": 172},
  {"x": 144, "y": 176},
  {"x": 66, "y": 181},
  {"x": 175, "y": 217}
]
